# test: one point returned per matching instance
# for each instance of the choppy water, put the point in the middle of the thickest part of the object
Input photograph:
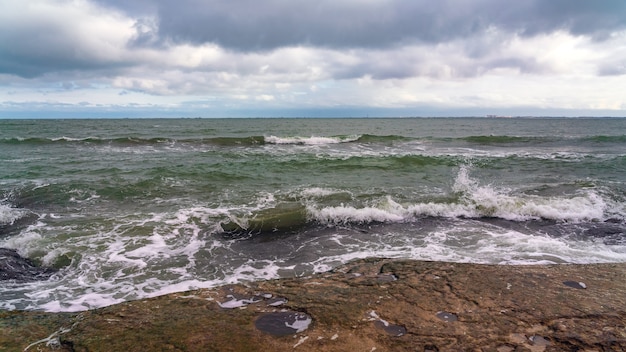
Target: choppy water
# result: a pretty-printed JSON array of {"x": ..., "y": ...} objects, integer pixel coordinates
[{"x": 128, "y": 209}]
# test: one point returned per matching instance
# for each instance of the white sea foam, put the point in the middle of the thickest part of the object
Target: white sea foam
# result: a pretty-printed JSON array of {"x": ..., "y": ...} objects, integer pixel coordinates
[
  {"x": 70, "y": 139},
  {"x": 301, "y": 323},
  {"x": 315, "y": 192},
  {"x": 26, "y": 242},
  {"x": 233, "y": 302},
  {"x": 254, "y": 270},
  {"x": 347, "y": 214},
  {"x": 313, "y": 140},
  {"x": 96, "y": 283},
  {"x": 8, "y": 214},
  {"x": 177, "y": 250}
]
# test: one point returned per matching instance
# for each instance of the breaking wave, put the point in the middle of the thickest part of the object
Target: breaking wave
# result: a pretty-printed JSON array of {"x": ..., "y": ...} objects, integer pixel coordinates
[
  {"x": 8, "y": 214},
  {"x": 313, "y": 140},
  {"x": 471, "y": 200},
  {"x": 468, "y": 200}
]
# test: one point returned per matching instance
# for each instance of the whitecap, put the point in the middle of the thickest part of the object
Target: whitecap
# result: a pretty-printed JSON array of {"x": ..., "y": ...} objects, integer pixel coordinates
[
  {"x": 313, "y": 140},
  {"x": 8, "y": 214}
]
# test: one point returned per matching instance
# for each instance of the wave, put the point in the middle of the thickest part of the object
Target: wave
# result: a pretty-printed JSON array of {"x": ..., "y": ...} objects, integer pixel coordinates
[
  {"x": 285, "y": 217},
  {"x": 491, "y": 139},
  {"x": 253, "y": 140},
  {"x": 293, "y": 217},
  {"x": 232, "y": 141},
  {"x": 217, "y": 141},
  {"x": 584, "y": 208},
  {"x": 467, "y": 200},
  {"x": 504, "y": 139},
  {"x": 371, "y": 138},
  {"x": 471, "y": 200},
  {"x": 86, "y": 140},
  {"x": 606, "y": 139},
  {"x": 313, "y": 140}
]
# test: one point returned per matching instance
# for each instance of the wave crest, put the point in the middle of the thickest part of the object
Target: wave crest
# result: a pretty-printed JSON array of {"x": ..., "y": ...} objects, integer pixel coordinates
[
  {"x": 313, "y": 140},
  {"x": 471, "y": 200}
]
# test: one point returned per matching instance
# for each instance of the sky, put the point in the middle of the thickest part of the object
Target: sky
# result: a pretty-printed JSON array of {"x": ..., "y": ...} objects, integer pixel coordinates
[{"x": 249, "y": 58}]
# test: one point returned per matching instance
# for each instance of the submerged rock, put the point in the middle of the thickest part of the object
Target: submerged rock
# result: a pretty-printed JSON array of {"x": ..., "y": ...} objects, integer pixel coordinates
[{"x": 15, "y": 267}]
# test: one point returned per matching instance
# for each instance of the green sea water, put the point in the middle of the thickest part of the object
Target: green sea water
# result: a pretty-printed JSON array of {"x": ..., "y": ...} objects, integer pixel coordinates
[{"x": 133, "y": 208}]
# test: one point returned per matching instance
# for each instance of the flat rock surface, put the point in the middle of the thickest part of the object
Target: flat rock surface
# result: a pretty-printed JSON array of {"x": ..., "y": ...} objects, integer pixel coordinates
[{"x": 367, "y": 305}]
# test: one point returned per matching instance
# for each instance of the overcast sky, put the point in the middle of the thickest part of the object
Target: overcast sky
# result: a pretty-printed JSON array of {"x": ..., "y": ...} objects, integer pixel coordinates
[{"x": 155, "y": 58}]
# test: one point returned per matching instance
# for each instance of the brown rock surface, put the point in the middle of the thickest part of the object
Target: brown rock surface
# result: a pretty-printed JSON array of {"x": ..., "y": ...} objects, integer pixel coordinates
[{"x": 368, "y": 305}]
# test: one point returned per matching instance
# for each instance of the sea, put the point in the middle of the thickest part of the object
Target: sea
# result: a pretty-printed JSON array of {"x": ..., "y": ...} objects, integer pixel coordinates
[{"x": 124, "y": 209}]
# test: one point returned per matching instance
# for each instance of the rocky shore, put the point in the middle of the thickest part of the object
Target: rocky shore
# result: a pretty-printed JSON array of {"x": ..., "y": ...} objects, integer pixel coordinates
[{"x": 367, "y": 305}]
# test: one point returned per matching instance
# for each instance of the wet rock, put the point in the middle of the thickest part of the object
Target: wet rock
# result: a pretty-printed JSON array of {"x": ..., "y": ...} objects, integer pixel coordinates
[
  {"x": 283, "y": 323},
  {"x": 446, "y": 316},
  {"x": 238, "y": 301},
  {"x": 15, "y": 267},
  {"x": 391, "y": 329},
  {"x": 575, "y": 284},
  {"x": 345, "y": 312},
  {"x": 386, "y": 277},
  {"x": 537, "y": 340},
  {"x": 277, "y": 301}
]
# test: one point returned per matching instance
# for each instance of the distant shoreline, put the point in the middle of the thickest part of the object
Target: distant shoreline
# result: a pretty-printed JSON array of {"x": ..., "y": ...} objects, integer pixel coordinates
[{"x": 86, "y": 117}]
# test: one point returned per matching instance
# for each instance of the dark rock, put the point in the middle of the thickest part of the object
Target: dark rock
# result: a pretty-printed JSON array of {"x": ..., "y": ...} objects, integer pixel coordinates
[
  {"x": 12, "y": 228},
  {"x": 575, "y": 284},
  {"x": 15, "y": 267}
]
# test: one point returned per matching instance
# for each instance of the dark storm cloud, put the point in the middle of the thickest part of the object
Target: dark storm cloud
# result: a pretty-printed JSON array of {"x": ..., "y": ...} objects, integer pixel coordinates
[
  {"x": 34, "y": 63},
  {"x": 249, "y": 25},
  {"x": 580, "y": 17},
  {"x": 64, "y": 39}
]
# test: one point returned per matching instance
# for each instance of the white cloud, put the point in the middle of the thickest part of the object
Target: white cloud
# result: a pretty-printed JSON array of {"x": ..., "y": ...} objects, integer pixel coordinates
[
  {"x": 39, "y": 36},
  {"x": 68, "y": 52}
]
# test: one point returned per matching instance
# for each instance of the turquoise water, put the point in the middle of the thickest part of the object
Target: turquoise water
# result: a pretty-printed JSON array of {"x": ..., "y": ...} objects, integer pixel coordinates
[{"x": 133, "y": 208}]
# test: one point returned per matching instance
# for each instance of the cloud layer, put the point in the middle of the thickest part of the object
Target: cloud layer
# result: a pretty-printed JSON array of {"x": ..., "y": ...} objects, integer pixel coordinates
[
  {"x": 247, "y": 25},
  {"x": 214, "y": 57}
]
